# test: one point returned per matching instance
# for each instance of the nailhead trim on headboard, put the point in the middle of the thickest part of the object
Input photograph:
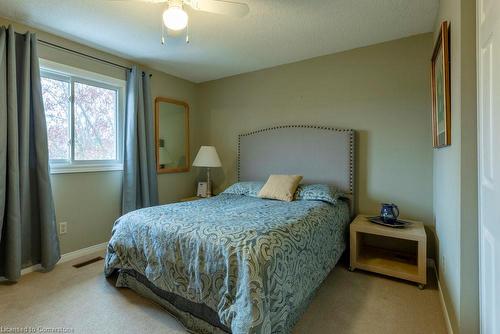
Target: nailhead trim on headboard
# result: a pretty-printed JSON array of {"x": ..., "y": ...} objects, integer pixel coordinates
[{"x": 351, "y": 145}]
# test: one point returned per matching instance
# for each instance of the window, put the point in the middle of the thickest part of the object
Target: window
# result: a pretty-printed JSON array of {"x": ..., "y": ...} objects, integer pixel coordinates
[{"x": 84, "y": 119}]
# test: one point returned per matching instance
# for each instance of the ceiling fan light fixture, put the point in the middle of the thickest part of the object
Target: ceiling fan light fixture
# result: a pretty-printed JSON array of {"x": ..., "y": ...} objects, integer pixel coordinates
[{"x": 175, "y": 18}]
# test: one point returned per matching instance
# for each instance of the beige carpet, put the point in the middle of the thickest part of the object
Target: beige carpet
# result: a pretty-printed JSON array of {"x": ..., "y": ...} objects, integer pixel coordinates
[{"x": 81, "y": 299}]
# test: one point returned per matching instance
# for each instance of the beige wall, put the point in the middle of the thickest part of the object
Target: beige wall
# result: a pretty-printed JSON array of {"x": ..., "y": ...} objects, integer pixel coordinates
[
  {"x": 90, "y": 202},
  {"x": 455, "y": 175},
  {"x": 381, "y": 91}
]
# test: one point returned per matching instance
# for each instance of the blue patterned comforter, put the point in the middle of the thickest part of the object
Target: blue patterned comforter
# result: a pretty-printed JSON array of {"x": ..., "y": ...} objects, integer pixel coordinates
[{"x": 255, "y": 262}]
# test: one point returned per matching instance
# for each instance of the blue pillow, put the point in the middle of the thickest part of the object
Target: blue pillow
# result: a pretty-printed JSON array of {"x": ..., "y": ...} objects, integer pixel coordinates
[
  {"x": 249, "y": 188},
  {"x": 317, "y": 192}
]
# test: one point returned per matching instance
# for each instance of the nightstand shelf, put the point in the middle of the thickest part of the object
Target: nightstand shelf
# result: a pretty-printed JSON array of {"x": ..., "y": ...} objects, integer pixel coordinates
[
  {"x": 404, "y": 265},
  {"x": 391, "y": 262}
]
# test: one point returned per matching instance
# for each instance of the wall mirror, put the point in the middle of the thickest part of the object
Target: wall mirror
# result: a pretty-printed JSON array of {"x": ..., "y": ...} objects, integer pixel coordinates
[{"x": 171, "y": 135}]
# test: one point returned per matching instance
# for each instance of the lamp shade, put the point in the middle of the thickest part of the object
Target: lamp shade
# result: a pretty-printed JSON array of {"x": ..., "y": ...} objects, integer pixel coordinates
[{"x": 207, "y": 157}]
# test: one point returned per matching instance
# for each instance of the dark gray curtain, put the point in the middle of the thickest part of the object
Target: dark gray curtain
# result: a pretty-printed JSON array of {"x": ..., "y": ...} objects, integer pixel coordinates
[
  {"x": 28, "y": 229},
  {"x": 140, "y": 188}
]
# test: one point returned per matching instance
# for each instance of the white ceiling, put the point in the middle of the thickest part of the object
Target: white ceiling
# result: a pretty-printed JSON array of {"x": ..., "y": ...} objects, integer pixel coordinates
[{"x": 275, "y": 32}]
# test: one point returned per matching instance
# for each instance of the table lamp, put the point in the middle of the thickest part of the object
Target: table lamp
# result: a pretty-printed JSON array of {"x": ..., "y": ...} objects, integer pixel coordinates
[{"x": 207, "y": 157}]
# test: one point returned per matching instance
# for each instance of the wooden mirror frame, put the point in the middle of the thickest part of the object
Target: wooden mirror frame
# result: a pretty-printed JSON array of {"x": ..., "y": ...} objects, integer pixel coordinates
[{"x": 160, "y": 170}]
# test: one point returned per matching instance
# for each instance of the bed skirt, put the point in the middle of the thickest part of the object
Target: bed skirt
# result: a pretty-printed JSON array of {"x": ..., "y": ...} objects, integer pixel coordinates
[{"x": 197, "y": 318}]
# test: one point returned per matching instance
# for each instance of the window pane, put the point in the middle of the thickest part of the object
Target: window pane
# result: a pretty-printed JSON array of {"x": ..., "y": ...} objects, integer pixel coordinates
[
  {"x": 56, "y": 102},
  {"x": 95, "y": 123}
]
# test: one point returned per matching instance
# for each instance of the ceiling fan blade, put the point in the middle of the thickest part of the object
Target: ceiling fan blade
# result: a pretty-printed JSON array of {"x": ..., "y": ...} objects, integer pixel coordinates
[{"x": 220, "y": 7}]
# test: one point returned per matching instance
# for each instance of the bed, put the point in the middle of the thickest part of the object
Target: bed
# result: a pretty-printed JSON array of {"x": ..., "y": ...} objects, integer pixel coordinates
[{"x": 236, "y": 263}]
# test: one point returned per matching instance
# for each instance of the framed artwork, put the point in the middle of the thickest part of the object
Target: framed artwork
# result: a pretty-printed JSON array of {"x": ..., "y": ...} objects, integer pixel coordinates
[{"x": 440, "y": 86}]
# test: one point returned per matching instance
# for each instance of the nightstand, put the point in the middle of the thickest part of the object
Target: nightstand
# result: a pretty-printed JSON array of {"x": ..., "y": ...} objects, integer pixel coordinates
[
  {"x": 189, "y": 199},
  {"x": 411, "y": 266}
]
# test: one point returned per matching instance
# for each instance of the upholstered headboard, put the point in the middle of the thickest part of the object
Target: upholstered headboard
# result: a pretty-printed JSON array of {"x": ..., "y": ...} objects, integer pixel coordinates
[{"x": 320, "y": 154}]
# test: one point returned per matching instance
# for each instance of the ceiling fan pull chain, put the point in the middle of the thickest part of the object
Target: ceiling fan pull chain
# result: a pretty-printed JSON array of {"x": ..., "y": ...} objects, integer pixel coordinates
[
  {"x": 163, "y": 37},
  {"x": 187, "y": 34}
]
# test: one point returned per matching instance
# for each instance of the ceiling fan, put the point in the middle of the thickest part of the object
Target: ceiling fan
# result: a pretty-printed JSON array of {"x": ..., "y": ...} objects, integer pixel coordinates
[{"x": 175, "y": 18}]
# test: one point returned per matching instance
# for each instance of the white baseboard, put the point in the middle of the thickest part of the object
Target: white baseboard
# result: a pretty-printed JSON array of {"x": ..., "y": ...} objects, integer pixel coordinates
[
  {"x": 431, "y": 263},
  {"x": 83, "y": 252},
  {"x": 70, "y": 256}
]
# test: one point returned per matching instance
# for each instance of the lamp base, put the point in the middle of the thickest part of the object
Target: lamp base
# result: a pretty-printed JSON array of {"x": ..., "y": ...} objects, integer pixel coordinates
[{"x": 209, "y": 184}]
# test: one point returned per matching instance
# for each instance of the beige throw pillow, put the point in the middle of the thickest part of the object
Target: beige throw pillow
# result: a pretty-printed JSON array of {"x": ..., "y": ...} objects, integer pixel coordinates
[{"x": 281, "y": 187}]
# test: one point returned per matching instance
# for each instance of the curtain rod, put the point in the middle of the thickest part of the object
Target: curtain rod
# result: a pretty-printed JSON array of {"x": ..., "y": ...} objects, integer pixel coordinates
[{"x": 56, "y": 46}]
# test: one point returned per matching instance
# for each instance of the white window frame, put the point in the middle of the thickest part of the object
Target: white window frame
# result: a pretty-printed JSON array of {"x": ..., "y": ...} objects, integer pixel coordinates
[{"x": 71, "y": 74}]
